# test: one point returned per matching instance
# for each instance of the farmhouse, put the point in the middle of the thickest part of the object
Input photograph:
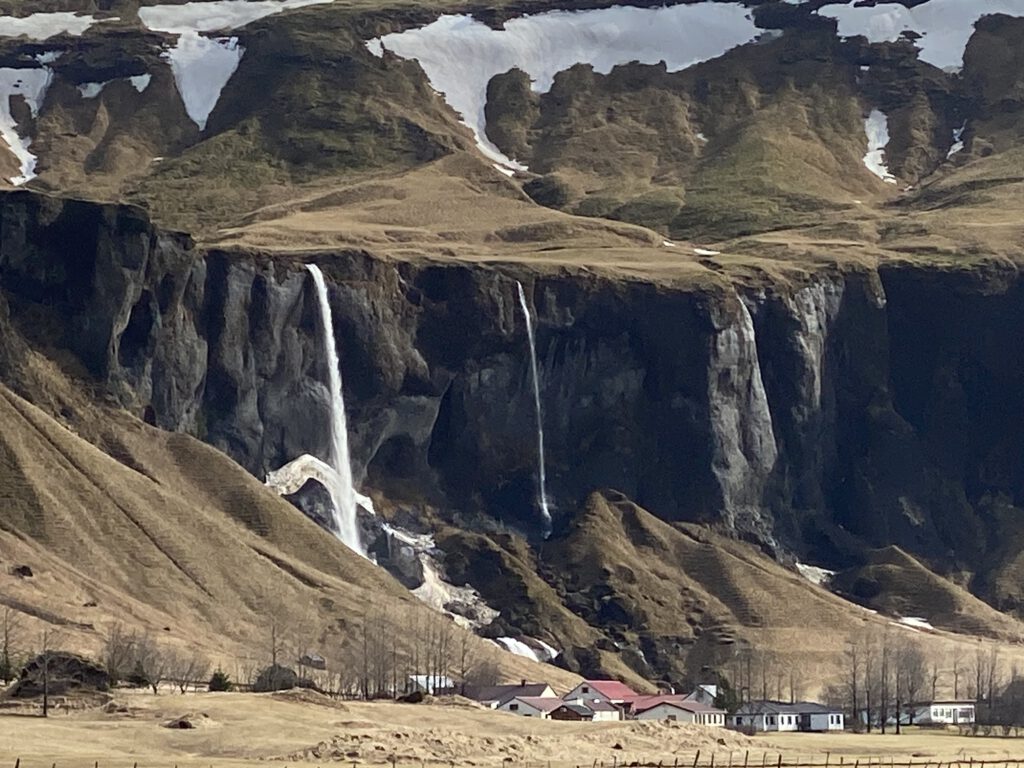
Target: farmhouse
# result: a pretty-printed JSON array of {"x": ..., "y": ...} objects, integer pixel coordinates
[
  {"x": 602, "y": 711},
  {"x": 783, "y": 716},
  {"x": 604, "y": 690},
  {"x": 540, "y": 707},
  {"x": 677, "y": 708},
  {"x": 493, "y": 695},
  {"x": 572, "y": 712},
  {"x": 940, "y": 713}
]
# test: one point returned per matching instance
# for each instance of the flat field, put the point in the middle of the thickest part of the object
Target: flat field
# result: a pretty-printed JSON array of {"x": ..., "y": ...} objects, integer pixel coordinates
[{"x": 306, "y": 729}]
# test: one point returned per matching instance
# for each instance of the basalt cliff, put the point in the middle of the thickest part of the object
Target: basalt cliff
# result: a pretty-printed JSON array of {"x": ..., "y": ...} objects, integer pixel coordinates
[{"x": 776, "y": 293}]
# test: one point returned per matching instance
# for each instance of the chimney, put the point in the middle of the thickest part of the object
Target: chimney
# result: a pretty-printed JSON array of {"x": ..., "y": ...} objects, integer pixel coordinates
[{"x": 522, "y": 682}]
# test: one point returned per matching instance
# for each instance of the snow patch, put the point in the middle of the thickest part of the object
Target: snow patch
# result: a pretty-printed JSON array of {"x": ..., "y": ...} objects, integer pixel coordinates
[
  {"x": 30, "y": 84},
  {"x": 668, "y": 244},
  {"x": 701, "y": 137},
  {"x": 202, "y": 67},
  {"x": 461, "y": 55},
  {"x": 92, "y": 90},
  {"x": 42, "y": 26},
  {"x": 510, "y": 172},
  {"x": 958, "y": 141},
  {"x": 215, "y": 16},
  {"x": 815, "y": 575},
  {"x": 706, "y": 252},
  {"x": 876, "y": 126},
  {"x": 140, "y": 82},
  {"x": 916, "y": 622},
  {"x": 944, "y": 26}
]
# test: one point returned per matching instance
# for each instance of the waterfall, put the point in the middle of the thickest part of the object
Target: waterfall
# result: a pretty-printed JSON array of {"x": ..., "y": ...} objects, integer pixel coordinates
[
  {"x": 343, "y": 495},
  {"x": 545, "y": 511}
]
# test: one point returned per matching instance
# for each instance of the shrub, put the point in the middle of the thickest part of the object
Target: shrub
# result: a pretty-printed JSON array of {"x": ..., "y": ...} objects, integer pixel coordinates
[{"x": 220, "y": 682}]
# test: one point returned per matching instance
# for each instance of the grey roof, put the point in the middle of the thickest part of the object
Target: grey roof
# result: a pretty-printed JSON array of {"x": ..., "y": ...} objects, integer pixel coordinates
[
  {"x": 786, "y": 708},
  {"x": 503, "y": 693}
]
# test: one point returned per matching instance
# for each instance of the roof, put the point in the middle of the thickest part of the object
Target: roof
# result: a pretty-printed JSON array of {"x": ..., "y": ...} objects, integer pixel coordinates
[
  {"x": 541, "y": 703},
  {"x": 503, "y": 693},
  {"x": 595, "y": 705},
  {"x": 644, "y": 703},
  {"x": 579, "y": 709},
  {"x": 612, "y": 689},
  {"x": 945, "y": 703},
  {"x": 787, "y": 708}
]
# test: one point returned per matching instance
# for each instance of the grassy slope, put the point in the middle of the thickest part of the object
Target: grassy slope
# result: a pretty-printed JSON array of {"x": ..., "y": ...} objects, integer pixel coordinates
[
  {"x": 159, "y": 530},
  {"x": 690, "y": 598}
]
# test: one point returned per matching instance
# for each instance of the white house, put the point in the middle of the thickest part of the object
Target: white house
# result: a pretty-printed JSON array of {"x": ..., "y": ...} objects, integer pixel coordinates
[
  {"x": 603, "y": 711},
  {"x": 782, "y": 716},
  {"x": 940, "y": 713},
  {"x": 605, "y": 690},
  {"x": 432, "y": 684},
  {"x": 677, "y": 709},
  {"x": 540, "y": 707},
  {"x": 494, "y": 695},
  {"x": 704, "y": 694}
]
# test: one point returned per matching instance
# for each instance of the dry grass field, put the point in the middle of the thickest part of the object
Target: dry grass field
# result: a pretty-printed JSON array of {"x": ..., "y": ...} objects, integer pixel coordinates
[{"x": 306, "y": 729}]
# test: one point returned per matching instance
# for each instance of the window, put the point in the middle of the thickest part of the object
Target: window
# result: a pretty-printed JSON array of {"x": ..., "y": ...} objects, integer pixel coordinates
[
  {"x": 586, "y": 689},
  {"x": 513, "y": 707}
]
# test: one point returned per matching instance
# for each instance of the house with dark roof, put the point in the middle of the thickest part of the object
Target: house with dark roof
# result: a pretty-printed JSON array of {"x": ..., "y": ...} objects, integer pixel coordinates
[
  {"x": 785, "y": 716},
  {"x": 540, "y": 707},
  {"x": 572, "y": 712},
  {"x": 494, "y": 695}
]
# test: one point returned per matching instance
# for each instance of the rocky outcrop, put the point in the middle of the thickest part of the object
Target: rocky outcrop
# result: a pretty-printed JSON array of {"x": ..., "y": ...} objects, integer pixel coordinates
[{"x": 867, "y": 406}]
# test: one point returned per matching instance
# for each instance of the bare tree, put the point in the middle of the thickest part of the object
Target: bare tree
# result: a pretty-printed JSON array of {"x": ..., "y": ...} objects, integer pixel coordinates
[
  {"x": 185, "y": 668},
  {"x": 10, "y": 638},
  {"x": 934, "y": 677},
  {"x": 854, "y": 662},
  {"x": 119, "y": 652},
  {"x": 957, "y": 670},
  {"x": 151, "y": 662},
  {"x": 911, "y": 677}
]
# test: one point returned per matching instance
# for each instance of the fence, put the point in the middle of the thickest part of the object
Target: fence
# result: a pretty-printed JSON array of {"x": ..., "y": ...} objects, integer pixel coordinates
[{"x": 776, "y": 760}]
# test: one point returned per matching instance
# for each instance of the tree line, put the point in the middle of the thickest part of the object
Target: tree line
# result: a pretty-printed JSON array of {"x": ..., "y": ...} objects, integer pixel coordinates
[{"x": 375, "y": 659}]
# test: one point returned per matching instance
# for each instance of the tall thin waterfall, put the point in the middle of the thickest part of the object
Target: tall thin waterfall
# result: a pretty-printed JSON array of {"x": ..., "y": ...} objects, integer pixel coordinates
[
  {"x": 342, "y": 492},
  {"x": 545, "y": 511}
]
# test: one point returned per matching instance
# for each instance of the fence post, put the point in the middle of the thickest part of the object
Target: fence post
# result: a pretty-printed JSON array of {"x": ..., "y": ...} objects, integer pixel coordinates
[
  {"x": 696, "y": 759},
  {"x": 712, "y": 760},
  {"x": 828, "y": 756},
  {"x": 780, "y": 760},
  {"x": 746, "y": 757},
  {"x": 730, "y": 758}
]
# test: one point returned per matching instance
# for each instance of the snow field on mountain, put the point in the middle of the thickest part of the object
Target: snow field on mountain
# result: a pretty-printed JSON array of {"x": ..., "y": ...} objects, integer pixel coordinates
[{"x": 461, "y": 55}]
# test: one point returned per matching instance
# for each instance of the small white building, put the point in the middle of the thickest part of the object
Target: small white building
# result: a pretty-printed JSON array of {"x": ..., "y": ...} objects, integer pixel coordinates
[
  {"x": 804, "y": 716},
  {"x": 704, "y": 694},
  {"x": 539, "y": 707},
  {"x": 677, "y": 709},
  {"x": 440, "y": 685},
  {"x": 940, "y": 713},
  {"x": 604, "y": 711}
]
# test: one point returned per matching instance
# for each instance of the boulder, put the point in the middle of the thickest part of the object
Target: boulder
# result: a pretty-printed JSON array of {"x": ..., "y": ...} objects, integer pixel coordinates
[{"x": 62, "y": 672}]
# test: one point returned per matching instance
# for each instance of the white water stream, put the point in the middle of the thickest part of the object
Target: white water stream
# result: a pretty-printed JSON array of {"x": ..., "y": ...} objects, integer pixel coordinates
[
  {"x": 340, "y": 487},
  {"x": 544, "y": 509}
]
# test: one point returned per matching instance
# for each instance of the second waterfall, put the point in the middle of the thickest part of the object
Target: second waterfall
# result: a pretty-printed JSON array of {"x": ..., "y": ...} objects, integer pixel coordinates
[
  {"x": 544, "y": 509},
  {"x": 342, "y": 491}
]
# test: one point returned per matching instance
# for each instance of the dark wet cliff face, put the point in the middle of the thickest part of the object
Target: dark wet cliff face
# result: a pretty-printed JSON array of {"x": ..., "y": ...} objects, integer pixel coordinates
[{"x": 865, "y": 408}]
